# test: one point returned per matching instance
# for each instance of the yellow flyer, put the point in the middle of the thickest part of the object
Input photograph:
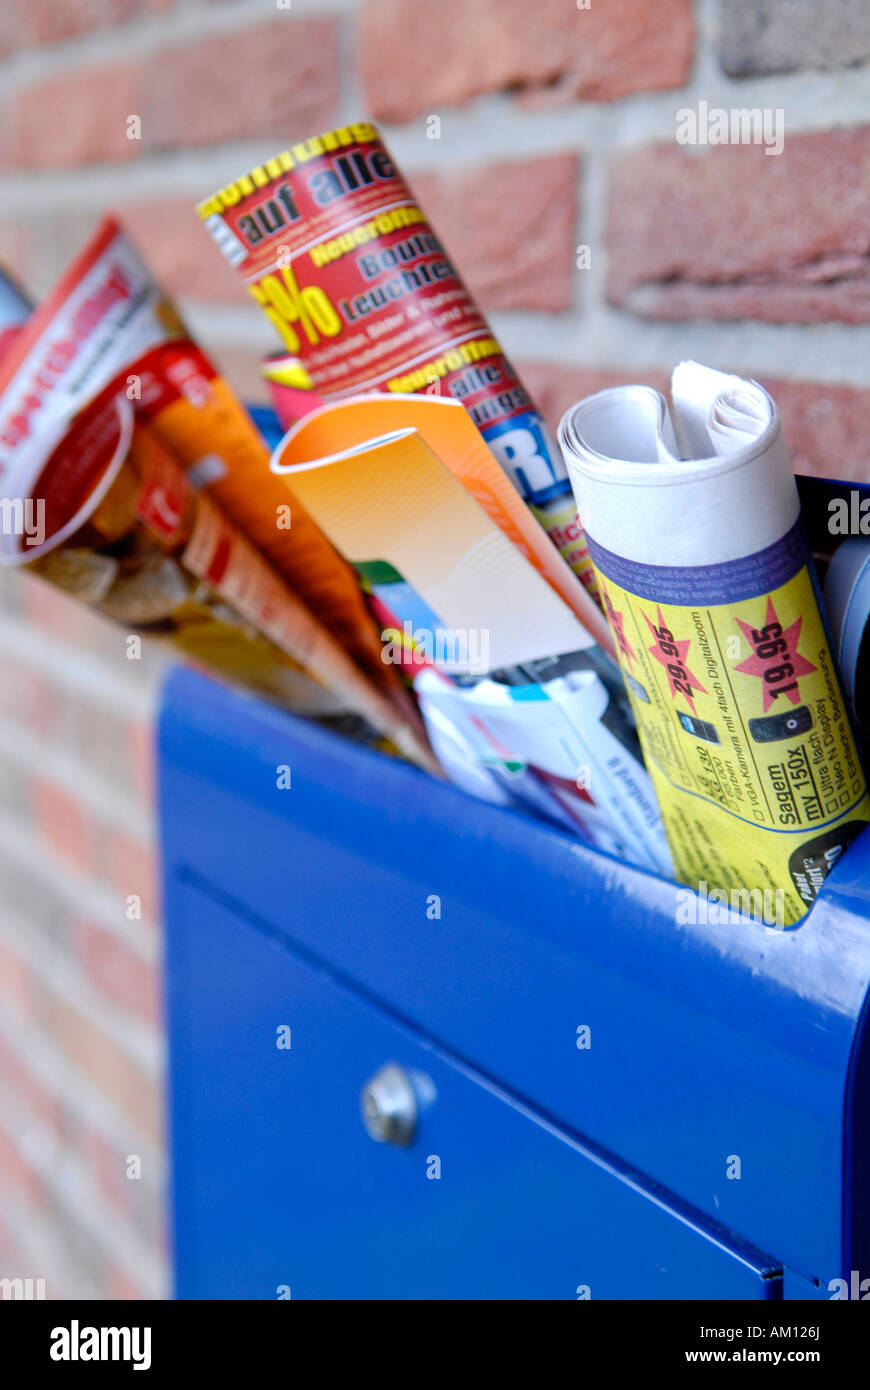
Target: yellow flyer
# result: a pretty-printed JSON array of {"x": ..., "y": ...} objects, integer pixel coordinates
[
  {"x": 744, "y": 730},
  {"x": 694, "y": 527}
]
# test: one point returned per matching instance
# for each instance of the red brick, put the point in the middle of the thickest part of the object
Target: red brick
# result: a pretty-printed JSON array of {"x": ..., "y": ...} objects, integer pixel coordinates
[
  {"x": 9, "y": 27},
  {"x": 118, "y": 971},
  {"x": 45, "y": 605},
  {"x": 827, "y": 428},
  {"x": 131, "y": 867},
  {"x": 729, "y": 232},
  {"x": 277, "y": 80},
  {"x": 36, "y": 247},
  {"x": 417, "y": 58},
  {"x": 11, "y": 1256},
  {"x": 107, "y": 1167},
  {"x": 77, "y": 117},
  {"x": 116, "y": 747},
  {"x": 20, "y": 1182},
  {"x": 510, "y": 227},
  {"x": 179, "y": 251},
  {"x": 140, "y": 756},
  {"x": 39, "y": 701},
  {"x": 33, "y": 1095},
  {"x": 95, "y": 1053},
  {"x": 16, "y": 247},
  {"x": 73, "y": 622},
  {"x": 31, "y": 22},
  {"x": 122, "y": 1287},
  {"x": 64, "y": 824},
  {"x": 489, "y": 219},
  {"x": 17, "y": 985}
]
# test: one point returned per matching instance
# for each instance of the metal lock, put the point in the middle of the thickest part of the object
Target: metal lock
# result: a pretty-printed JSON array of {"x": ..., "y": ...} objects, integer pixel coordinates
[{"x": 388, "y": 1103}]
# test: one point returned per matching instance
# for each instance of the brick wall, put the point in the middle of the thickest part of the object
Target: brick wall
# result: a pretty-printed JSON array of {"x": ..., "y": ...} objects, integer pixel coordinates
[
  {"x": 80, "y": 1033},
  {"x": 556, "y": 130}
]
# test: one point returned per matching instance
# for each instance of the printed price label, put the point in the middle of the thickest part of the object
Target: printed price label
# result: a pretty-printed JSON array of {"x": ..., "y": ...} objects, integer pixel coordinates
[{"x": 742, "y": 723}]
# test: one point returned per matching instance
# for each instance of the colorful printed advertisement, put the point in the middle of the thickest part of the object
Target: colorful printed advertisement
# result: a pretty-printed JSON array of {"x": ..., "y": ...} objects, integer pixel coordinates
[{"x": 708, "y": 586}]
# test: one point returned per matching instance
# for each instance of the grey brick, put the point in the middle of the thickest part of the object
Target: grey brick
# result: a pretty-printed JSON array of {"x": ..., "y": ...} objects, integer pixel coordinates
[{"x": 759, "y": 36}]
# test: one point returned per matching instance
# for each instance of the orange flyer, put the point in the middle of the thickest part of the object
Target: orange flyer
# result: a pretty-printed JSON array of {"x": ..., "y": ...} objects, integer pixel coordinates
[{"x": 445, "y": 426}]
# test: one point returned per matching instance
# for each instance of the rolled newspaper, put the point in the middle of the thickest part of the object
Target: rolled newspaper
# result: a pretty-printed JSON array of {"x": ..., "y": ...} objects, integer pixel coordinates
[
  {"x": 108, "y": 321},
  {"x": 693, "y": 523},
  {"x": 99, "y": 506},
  {"x": 334, "y": 247}
]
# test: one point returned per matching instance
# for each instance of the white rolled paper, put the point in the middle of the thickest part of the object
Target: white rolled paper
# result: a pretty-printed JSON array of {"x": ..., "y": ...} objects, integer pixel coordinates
[{"x": 693, "y": 522}]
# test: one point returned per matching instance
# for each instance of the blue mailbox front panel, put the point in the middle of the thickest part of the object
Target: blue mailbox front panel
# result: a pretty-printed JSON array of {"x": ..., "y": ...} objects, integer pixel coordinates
[
  {"x": 712, "y": 1136},
  {"x": 281, "y": 1191}
]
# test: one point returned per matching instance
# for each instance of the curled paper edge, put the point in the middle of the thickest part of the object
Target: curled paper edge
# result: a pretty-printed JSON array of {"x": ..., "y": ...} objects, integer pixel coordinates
[{"x": 684, "y": 511}]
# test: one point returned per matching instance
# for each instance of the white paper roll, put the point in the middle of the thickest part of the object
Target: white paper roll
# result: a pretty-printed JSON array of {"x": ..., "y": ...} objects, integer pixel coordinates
[
  {"x": 693, "y": 523},
  {"x": 733, "y": 494}
]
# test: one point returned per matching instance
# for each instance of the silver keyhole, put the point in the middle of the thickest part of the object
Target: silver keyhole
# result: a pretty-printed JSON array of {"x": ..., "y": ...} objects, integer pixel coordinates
[{"x": 389, "y": 1106}]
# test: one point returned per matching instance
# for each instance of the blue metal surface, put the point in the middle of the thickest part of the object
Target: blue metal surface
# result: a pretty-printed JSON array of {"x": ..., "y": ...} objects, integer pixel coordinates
[
  {"x": 708, "y": 1043},
  {"x": 278, "y": 1183}
]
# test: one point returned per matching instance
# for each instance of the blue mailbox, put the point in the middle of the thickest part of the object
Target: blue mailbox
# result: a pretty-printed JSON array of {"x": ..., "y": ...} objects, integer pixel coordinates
[{"x": 423, "y": 1047}]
